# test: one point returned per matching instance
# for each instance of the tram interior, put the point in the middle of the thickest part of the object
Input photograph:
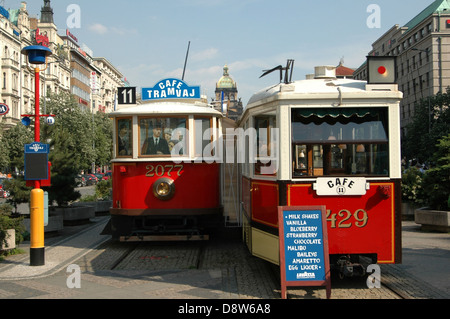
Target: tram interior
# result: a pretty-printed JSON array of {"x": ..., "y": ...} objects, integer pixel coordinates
[{"x": 327, "y": 142}]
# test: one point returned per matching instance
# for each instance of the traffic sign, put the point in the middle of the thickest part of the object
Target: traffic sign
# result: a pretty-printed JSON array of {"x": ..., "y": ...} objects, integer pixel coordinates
[
  {"x": 126, "y": 95},
  {"x": 4, "y": 109}
]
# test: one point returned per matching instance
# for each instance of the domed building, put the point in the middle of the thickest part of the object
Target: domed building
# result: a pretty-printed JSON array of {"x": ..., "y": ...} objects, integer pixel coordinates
[{"x": 226, "y": 100}]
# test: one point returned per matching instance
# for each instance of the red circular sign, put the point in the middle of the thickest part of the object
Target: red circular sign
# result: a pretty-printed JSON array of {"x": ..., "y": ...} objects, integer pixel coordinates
[
  {"x": 382, "y": 70},
  {"x": 4, "y": 109}
]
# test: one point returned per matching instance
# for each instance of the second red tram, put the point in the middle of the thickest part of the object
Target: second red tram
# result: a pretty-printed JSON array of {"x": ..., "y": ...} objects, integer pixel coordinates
[{"x": 337, "y": 144}]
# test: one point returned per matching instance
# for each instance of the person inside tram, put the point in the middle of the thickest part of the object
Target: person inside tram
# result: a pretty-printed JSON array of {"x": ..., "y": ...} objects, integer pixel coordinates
[
  {"x": 156, "y": 144},
  {"x": 124, "y": 140}
]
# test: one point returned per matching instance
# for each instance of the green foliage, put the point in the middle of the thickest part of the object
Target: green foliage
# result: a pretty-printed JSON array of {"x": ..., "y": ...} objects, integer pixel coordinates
[
  {"x": 429, "y": 124},
  {"x": 72, "y": 140},
  {"x": 102, "y": 192},
  {"x": 12, "y": 150},
  {"x": 436, "y": 182},
  {"x": 412, "y": 191},
  {"x": 18, "y": 191},
  {"x": 103, "y": 189},
  {"x": 64, "y": 169},
  {"x": 10, "y": 221}
]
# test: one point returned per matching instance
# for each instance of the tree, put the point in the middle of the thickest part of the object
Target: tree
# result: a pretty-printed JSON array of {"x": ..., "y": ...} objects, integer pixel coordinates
[
  {"x": 12, "y": 150},
  {"x": 71, "y": 139},
  {"x": 103, "y": 139},
  {"x": 436, "y": 182},
  {"x": 64, "y": 169},
  {"x": 430, "y": 123}
]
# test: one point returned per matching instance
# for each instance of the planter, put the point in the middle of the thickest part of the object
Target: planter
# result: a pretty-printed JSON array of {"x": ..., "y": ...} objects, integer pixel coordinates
[
  {"x": 55, "y": 223},
  {"x": 100, "y": 207},
  {"x": 433, "y": 220},
  {"x": 74, "y": 215},
  {"x": 408, "y": 211},
  {"x": 10, "y": 240}
]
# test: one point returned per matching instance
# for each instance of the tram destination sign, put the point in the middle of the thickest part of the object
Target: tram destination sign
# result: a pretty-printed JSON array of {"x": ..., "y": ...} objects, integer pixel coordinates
[
  {"x": 303, "y": 240},
  {"x": 171, "y": 89}
]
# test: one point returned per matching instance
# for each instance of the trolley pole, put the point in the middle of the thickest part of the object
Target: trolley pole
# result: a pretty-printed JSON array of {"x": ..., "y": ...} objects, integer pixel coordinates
[{"x": 37, "y": 55}]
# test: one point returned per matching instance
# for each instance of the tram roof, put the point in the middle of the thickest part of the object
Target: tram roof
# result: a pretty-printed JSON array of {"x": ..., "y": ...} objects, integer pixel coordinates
[
  {"x": 321, "y": 89},
  {"x": 167, "y": 107}
]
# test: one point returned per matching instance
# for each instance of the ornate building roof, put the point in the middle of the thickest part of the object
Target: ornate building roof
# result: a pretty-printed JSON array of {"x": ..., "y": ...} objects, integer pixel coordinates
[
  {"x": 47, "y": 12},
  {"x": 226, "y": 82}
]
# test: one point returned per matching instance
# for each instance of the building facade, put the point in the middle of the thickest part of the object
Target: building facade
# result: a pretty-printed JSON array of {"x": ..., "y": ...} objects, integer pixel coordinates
[
  {"x": 422, "y": 48},
  {"x": 226, "y": 100},
  {"x": 93, "y": 81}
]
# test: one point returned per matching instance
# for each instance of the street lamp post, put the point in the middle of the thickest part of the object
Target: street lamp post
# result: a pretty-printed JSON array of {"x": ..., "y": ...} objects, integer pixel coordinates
[{"x": 37, "y": 55}]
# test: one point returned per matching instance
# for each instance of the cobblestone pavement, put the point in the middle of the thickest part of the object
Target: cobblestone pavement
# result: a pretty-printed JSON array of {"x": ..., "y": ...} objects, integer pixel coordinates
[{"x": 217, "y": 269}]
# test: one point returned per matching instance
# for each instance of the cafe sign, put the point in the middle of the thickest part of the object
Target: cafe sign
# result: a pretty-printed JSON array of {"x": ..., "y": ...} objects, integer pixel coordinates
[
  {"x": 341, "y": 186},
  {"x": 171, "y": 89}
]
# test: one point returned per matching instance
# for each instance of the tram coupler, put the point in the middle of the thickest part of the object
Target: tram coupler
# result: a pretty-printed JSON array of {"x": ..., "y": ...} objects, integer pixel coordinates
[{"x": 349, "y": 269}]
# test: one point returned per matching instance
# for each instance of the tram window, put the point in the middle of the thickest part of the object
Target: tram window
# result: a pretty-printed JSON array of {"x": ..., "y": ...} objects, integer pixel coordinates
[
  {"x": 267, "y": 145},
  {"x": 124, "y": 137},
  {"x": 340, "y": 141},
  {"x": 203, "y": 136},
  {"x": 163, "y": 136}
]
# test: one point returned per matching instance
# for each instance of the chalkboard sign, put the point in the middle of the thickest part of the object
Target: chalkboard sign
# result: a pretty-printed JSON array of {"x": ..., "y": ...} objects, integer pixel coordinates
[{"x": 303, "y": 238}]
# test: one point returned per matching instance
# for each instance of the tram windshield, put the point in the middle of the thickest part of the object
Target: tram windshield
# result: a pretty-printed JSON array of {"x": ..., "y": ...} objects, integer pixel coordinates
[
  {"x": 159, "y": 136},
  {"x": 331, "y": 141}
]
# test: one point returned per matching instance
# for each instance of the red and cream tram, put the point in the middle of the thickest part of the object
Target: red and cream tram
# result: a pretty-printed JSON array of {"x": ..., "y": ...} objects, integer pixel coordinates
[
  {"x": 337, "y": 144},
  {"x": 163, "y": 183}
]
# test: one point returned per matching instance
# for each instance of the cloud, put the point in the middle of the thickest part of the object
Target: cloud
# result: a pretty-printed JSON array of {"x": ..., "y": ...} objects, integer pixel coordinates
[
  {"x": 102, "y": 30},
  {"x": 207, "y": 54},
  {"x": 98, "y": 28}
]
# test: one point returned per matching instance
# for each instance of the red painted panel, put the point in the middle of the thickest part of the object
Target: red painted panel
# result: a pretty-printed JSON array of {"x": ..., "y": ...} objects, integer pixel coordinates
[
  {"x": 265, "y": 199},
  {"x": 356, "y": 224},
  {"x": 196, "y": 185}
]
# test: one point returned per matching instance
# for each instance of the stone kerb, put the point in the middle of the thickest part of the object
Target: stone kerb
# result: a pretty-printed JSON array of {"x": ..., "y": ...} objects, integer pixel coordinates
[
  {"x": 100, "y": 207},
  {"x": 55, "y": 223},
  {"x": 74, "y": 214},
  {"x": 433, "y": 220}
]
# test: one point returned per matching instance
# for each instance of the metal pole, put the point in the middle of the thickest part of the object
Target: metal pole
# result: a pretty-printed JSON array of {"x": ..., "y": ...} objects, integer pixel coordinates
[
  {"x": 37, "y": 247},
  {"x": 185, "y": 61}
]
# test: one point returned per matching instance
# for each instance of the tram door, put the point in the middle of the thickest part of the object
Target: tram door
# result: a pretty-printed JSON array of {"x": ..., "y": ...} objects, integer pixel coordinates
[{"x": 230, "y": 178}]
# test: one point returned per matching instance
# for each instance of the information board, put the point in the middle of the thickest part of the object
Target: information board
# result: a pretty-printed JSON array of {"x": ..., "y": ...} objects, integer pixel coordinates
[
  {"x": 304, "y": 259},
  {"x": 36, "y": 161}
]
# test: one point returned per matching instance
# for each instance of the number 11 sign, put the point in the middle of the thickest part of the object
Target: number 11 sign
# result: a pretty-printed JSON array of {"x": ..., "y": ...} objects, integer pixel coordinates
[{"x": 126, "y": 95}]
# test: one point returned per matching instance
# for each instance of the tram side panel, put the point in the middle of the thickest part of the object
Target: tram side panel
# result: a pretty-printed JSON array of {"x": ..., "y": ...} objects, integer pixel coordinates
[
  {"x": 356, "y": 225},
  {"x": 196, "y": 192}
]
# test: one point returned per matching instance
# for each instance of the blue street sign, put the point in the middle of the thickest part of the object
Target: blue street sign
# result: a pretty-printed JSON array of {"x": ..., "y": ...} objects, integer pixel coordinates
[
  {"x": 36, "y": 148},
  {"x": 171, "y": 89}
]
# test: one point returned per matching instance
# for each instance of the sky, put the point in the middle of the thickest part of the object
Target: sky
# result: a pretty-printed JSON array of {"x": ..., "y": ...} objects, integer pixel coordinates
[{"x": 147, "y": 40}]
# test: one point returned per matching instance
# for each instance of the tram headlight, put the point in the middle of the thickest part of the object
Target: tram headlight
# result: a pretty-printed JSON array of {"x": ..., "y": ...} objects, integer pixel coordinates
[{"x": 164, "y": 188}]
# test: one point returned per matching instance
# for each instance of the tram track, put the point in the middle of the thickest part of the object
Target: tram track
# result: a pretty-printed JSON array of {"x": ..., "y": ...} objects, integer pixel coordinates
[{"x": 242, "y": 274}]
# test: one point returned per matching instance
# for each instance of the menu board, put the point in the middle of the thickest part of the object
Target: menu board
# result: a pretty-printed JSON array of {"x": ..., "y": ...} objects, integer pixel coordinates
[{"x": 303, "y": 237}]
